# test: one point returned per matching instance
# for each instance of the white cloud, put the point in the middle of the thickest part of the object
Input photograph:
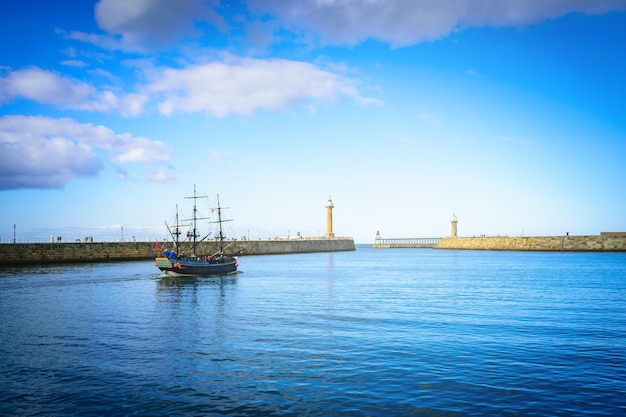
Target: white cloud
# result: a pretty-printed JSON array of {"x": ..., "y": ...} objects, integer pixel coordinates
[
  {"x": 74, "y": 63},
  {"x": 159, "y": 176},
  {"x": 105, "y": 41},
  {"x": 239, "y": 87},
  {"x": 406, "y": 22},
  {"x": 49, "y": 87},
  {"x": 142, "y": 25},
  {"x": 130, "y": 149},
  {"x": 248, "y": 85},
  {"x": 45, "y": 87},
  {"x": 154, "y": 22},
  {"x": 42, "y": 152}
]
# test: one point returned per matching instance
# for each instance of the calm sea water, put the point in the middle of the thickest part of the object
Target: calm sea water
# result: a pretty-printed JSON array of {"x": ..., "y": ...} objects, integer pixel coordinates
[{"x": 376, "y": 332}]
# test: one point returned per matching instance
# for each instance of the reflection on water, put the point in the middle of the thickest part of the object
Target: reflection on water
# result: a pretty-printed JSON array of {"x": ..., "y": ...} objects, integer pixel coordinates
[{"x": 184, "y": 281}]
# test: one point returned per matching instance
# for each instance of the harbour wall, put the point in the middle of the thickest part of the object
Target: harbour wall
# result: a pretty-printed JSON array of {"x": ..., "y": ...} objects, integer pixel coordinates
[
  {"x": 605, "y": 242},
  {"x": 48, "y": 253}
]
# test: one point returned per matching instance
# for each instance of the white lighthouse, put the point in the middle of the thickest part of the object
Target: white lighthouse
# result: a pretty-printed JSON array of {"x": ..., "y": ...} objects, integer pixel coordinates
[{"x": 453, "y": 221}]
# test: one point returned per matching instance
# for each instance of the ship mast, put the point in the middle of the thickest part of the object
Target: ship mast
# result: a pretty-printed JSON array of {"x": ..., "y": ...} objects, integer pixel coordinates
[
  {"x": 176, "y": 233},
  {"x": 193, "y": 233},
  {"x": 220, "y": 221}
]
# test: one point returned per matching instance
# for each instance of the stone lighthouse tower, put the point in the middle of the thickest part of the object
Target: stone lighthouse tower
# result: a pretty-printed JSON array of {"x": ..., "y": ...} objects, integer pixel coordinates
[
  {"x": 454, "y": 221},
  {"x": 329, "y": 218}
]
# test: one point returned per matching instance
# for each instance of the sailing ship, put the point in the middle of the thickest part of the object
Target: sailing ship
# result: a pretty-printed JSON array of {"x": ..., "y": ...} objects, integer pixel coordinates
[{"x": 180, "y": 262}]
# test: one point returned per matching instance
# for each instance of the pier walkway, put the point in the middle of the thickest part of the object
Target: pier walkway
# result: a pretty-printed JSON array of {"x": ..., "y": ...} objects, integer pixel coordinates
[{"x": 407, "y": 242}]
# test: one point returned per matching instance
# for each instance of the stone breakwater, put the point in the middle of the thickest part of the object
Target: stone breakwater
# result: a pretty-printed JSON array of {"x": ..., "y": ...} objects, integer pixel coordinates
[
  {"x": 48, "y": 253},
  {"x": 605, "y": 242}
]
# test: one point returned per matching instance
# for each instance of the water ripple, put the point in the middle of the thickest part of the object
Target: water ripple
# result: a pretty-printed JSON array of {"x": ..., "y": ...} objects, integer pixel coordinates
[{"x": 366, "y": 333}]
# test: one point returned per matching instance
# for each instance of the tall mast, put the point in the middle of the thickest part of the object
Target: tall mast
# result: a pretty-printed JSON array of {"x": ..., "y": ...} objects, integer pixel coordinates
[
  {"x": 176, "y": 233},
  {"x": 193, "y": 234},
  {"x": 220, "y": 221},
  {"x": 177, "y": 230}
]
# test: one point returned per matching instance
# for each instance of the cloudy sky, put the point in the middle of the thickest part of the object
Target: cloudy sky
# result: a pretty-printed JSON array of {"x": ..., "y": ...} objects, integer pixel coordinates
[{"x": 510, "y": 114}]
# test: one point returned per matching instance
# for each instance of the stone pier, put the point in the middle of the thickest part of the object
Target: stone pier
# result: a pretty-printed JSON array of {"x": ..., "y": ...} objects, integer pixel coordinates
[
  {"x": 605, "y": 242},
  {"x": 46, "y": 253}
]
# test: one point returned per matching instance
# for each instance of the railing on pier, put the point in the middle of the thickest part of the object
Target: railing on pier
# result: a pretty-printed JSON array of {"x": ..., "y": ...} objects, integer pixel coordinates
[{"x": 407, "y": 242}]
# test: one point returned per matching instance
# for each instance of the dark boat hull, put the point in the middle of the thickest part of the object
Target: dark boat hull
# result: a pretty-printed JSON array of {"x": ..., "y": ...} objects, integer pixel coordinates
[{"x": 197, "y": 268}]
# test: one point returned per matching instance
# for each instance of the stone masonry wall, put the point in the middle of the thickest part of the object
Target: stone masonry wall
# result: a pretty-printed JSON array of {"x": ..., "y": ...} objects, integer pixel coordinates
[
  {"x": 606, "y": 241},
  {"x": 43, "y": 253}
]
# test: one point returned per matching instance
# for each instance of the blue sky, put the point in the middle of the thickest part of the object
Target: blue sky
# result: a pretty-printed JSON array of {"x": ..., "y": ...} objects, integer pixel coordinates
[{"x": 510, "y": 114}]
